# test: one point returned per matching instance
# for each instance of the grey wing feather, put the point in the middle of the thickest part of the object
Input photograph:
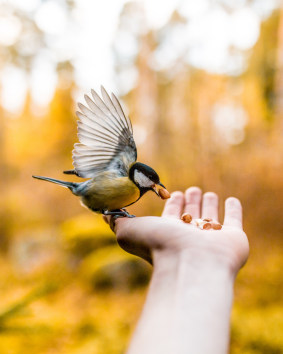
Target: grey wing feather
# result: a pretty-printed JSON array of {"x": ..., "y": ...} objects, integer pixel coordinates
[{"x": 105, "y": 135}]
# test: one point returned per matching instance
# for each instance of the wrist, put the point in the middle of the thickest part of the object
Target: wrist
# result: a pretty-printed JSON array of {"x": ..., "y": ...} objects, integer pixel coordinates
[
  {"x": 197, "y": 293},
  {"x": 169, "y": 262}
]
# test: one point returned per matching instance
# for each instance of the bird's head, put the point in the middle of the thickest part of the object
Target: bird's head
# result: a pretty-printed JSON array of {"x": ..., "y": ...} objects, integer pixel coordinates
[{"x": 145, "y": 178}]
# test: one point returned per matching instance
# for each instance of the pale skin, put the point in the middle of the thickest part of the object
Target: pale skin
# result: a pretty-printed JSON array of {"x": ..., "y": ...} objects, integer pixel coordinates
[{"x": 188, "y": 305}]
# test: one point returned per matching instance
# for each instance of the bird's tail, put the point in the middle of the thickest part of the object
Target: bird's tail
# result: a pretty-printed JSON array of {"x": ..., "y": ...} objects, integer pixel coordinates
[{"x": 69, "y": 185}]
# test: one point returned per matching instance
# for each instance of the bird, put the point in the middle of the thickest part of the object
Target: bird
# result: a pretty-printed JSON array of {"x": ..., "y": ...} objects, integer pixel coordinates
[{"x": 106, "y": 155}]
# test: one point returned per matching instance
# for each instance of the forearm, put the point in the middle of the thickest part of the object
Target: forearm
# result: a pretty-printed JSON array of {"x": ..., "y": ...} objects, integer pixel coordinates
[{"x": 187, "y": 309}]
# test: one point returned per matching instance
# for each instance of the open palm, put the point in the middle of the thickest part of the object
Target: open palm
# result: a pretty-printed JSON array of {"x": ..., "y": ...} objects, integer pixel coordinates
[{"x": 149, "y": 236}]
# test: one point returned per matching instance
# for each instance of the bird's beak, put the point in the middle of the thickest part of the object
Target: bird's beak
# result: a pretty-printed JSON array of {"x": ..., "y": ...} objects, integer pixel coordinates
[{"x": 154, "y": 188}]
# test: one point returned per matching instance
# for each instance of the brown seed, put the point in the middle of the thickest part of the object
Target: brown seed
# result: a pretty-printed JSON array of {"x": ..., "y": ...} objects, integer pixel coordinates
[
  {"x": 163, "y": 193},
  {"x": 216, "y": 226},
  {"x": 187, "y": 218},
  {"x": 206, "y": 226}
]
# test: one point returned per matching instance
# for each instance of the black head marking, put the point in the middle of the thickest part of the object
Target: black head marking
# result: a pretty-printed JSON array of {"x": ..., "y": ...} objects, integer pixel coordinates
[{"x": 146, "y": 170}]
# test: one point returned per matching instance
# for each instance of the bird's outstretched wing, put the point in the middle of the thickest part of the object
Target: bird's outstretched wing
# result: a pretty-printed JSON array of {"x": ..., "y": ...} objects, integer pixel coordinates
[{"x": 105, "y": 135}]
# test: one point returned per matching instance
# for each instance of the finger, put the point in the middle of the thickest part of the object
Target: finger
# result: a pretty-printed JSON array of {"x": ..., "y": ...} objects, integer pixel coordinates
[
  {"x": 174, "y": 206},
  {"x": 130, "y": 236},
  {"x": 118, "y": 224},
  {"x": 192, "y": 201},
  {"x": 110, "y": 221},
  {"x": 233, "y": 213},
  {"x": 210, "y": 206}
]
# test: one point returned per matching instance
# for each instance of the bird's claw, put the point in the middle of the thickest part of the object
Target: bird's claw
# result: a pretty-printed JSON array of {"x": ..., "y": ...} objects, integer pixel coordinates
[
  {"x": 127, "y": 214},
  {"x": 115, "y": 214},
  {"x": 122, "y": 214},
  {"x": 119, "y": 213}
]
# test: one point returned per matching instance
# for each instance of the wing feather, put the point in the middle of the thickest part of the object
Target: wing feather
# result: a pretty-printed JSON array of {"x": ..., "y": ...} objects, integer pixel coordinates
[
  {"x": 121, "y": 112},
  {"x": 90, "y": 140},
  {"x": 112, "y": 108},
  {"x": 104, "y": 112},
  {"x": 99, "y": 125},
  {"x": 105, "y": 109},
  {"x": 82, "y": 149},
  {"x": 85, "y": 128},
  {"x": 106, "y": 137}
]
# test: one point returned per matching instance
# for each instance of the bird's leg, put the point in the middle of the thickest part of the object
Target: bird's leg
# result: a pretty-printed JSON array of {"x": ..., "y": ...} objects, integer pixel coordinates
[
  {"x": 115, "y": 214},
  {"x": 118, "y": 213},
  {"x": 127, "y": 214}
]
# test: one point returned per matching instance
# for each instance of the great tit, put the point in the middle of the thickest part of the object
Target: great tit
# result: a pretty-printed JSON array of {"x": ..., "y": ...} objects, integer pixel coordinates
[{"x": 107, "y": 155}]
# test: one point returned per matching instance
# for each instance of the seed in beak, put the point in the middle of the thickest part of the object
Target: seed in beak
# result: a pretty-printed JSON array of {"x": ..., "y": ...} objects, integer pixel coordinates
[{"x": 163, "y": 193}]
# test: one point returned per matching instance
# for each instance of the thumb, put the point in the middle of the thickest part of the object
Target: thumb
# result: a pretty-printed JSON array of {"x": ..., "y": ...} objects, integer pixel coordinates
[
  {"x": 117, "y": 225},
  {"x": 131, "y": 234}
]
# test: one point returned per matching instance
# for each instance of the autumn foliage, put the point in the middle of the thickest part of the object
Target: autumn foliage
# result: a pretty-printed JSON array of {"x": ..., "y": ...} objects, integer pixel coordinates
[{"x": 66, "y": 286}]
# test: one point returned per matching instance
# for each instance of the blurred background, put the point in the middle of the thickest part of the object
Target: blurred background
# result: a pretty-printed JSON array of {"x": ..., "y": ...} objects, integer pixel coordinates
[{"x": 203, "y": 84}]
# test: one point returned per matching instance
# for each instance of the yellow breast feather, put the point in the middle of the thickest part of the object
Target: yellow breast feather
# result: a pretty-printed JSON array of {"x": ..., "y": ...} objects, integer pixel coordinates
[{"x": 110, "y": 193}]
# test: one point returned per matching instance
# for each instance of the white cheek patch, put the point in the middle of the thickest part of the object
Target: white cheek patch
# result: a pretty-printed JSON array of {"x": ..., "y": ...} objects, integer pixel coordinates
[{"x": 142, "y": 180}]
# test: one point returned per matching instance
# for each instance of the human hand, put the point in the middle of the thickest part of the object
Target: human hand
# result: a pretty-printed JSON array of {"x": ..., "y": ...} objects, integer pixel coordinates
[{"x": 154, "y": 237}]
